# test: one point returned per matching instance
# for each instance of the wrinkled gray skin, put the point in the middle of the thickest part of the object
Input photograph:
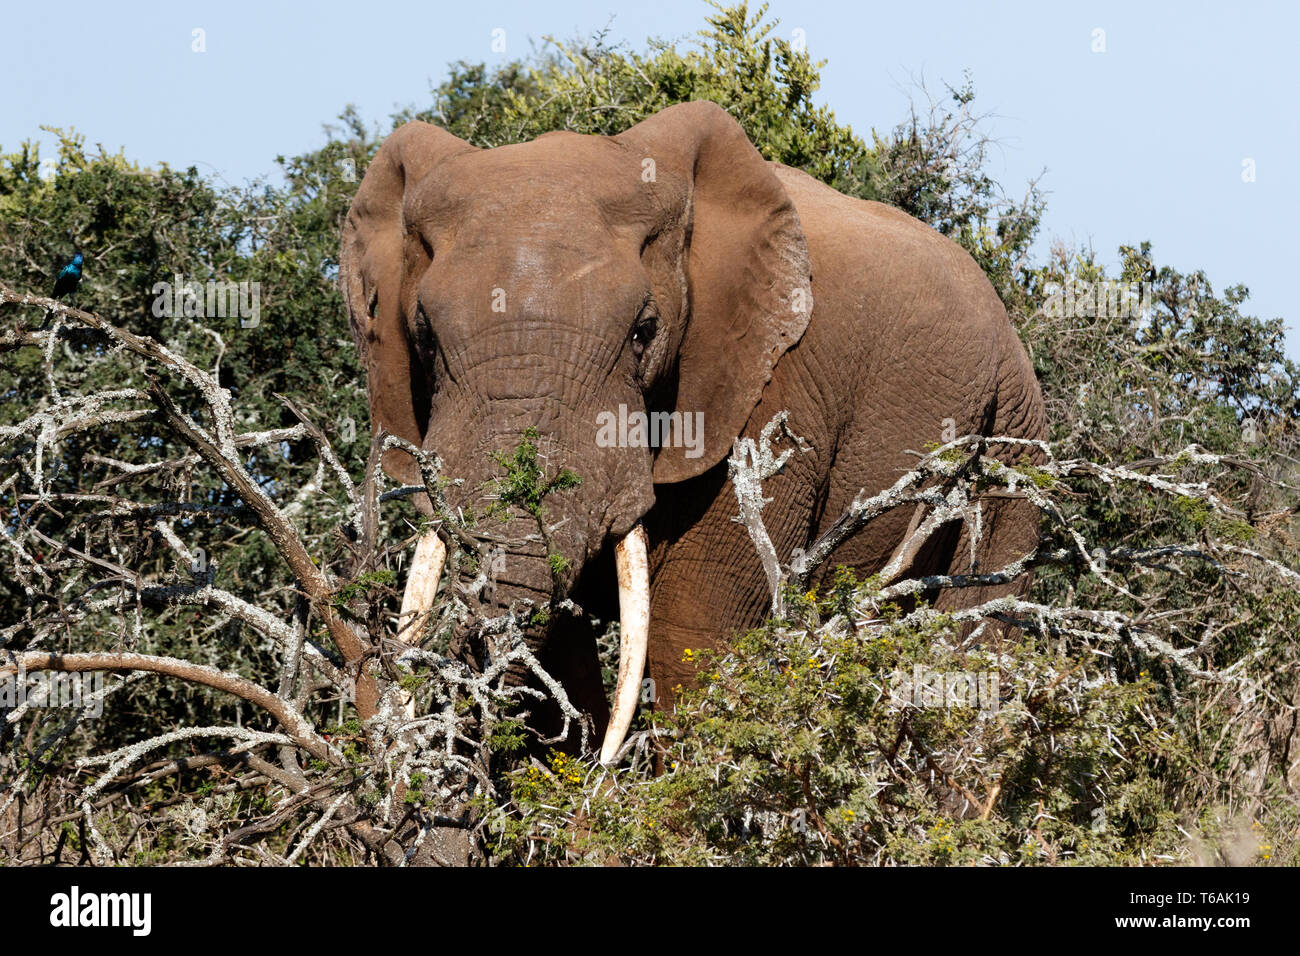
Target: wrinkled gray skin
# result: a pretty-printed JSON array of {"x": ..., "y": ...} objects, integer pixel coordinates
[{"x": 671, "y": 268}]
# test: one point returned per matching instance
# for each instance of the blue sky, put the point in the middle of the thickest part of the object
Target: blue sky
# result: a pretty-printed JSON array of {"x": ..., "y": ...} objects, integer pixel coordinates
[{"x": 1143, "y": 141}]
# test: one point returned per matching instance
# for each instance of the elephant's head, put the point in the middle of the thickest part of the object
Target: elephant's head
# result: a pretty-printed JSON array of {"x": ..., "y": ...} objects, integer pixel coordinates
[{"x": 545, "y": 285}]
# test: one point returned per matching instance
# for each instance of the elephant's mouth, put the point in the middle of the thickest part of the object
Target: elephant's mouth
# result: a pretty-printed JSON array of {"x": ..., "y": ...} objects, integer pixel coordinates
[{"x": 632, "y": 567}]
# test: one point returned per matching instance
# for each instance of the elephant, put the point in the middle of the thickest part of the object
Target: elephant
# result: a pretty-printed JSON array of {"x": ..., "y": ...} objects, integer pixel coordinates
[{"x": 576, "y": 284}]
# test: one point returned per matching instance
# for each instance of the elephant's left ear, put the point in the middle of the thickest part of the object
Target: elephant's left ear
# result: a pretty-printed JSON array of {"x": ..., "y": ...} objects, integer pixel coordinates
[{"x": 746, "y": 265}]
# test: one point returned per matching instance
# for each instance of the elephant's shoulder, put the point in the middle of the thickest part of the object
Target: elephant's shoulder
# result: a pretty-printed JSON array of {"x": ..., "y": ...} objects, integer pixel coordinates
[
  {"x": 883, "y": 253},
  {"x": 830, "y": 217}
]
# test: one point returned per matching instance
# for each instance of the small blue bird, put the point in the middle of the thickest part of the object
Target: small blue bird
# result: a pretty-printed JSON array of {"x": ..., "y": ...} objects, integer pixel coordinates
[{"x": 69, "y": 278}]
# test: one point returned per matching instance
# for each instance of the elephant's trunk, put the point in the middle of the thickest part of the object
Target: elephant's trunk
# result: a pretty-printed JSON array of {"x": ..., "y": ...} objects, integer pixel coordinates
[
  {"x": 631, "y": 562},
  {"x": 543, "y": 552}
]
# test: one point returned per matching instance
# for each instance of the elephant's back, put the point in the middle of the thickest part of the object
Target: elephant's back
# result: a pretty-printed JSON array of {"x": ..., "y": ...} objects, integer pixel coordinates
[
  {"x": 867, "y": 253},
  {"x": 910, "y": 344},
  {"x": 908, "y": 341},
  {"x": 904, "y": 299}
]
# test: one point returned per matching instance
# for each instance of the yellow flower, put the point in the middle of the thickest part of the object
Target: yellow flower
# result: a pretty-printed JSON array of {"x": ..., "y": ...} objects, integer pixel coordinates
[{"x": 810, "y": 596}]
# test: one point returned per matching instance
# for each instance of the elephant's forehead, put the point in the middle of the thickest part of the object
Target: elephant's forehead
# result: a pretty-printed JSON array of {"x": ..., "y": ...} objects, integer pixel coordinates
[
  {"x": 560, "y": 178},
  {"x": 538, "y": 266}
]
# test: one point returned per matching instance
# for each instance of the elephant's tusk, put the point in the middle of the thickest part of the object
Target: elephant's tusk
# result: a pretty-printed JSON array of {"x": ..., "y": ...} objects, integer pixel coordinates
[
  {"x": 634, "y": 614},
  {"x": 417, "y": 599},
  {"x": 421, "y": 585}
]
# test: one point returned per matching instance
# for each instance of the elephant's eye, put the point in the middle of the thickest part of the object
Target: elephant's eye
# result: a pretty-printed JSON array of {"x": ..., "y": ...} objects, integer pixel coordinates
[
  {"x": 423, "y": 330},
  {"x": 643, "y": 333}
]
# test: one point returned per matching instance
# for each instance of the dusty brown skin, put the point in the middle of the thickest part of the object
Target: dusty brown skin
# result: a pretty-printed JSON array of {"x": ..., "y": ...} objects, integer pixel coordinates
[{"x": 676, "y": 286}]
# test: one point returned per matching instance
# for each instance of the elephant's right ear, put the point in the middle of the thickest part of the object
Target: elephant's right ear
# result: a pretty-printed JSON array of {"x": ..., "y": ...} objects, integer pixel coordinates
[
  {"x": 374, "y": 276},
  {"x": 746, "y": 265}
]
